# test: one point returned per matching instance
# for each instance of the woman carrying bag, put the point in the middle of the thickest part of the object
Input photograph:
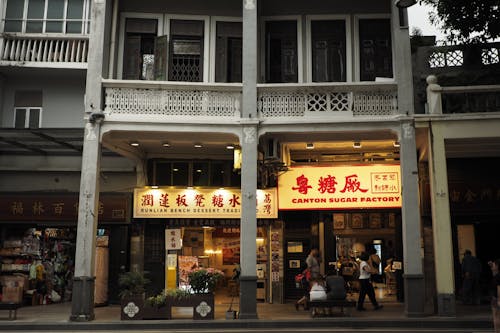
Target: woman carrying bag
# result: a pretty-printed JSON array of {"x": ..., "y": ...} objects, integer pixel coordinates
[{"x": 366, "y": 287}]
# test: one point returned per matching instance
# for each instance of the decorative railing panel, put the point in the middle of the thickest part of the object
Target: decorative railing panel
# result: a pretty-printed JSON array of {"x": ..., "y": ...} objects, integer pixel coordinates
[
  {"x": 172, "y": 99},
  {"x": 43, "y": 48},
  {"x": 363, "y": 99}
]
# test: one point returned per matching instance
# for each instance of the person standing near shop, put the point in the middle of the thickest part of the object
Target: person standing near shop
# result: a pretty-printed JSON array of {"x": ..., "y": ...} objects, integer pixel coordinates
[
  {"x": 495, "y": 279},
  {"x": 366, "y": 288},
  {"x": 311, "y": 273},
  {"x": 471, "y": 271},
  {"x": 312, "y": 262}
]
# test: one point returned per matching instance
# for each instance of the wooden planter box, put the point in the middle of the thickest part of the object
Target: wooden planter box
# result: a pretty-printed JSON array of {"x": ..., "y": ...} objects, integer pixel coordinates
[
  {"x": 132, "y": 308},
  {"x": 203, "y": 305},
  {"x": 155, "y": 312}
]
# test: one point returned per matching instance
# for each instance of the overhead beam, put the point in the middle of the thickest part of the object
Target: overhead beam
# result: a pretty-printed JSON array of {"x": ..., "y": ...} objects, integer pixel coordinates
[
  {"x": 59, "y": 142},
  {"x": 22, "y": 145}
]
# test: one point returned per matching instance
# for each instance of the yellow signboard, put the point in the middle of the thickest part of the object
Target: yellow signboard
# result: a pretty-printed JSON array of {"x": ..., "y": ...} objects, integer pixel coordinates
[
  {"x": 340, "y": 187},
  {"x": 170, "y": 202}
]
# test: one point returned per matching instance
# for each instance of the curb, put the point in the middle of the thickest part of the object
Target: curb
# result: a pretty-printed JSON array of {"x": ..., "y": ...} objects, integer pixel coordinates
[{"x": 421, "y": 323}]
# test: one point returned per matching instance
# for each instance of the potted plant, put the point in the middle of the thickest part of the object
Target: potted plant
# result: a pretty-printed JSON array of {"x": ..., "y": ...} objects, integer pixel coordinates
[
  {"x": 132, "y": 295},
  {"x": 155, "y": 306},
  {"x": 204, "y": 280}
]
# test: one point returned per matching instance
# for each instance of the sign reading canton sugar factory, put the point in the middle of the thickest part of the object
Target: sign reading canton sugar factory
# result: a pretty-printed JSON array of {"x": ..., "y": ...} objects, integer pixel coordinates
[
  {"x": 340, "y": 187},
  {"x": 167, "y": 202}
]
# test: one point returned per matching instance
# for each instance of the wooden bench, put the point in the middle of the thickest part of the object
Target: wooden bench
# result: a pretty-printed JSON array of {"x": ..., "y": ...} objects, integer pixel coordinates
[
  {"x": 330, "y": 303},
  {"x": 12, "y": 307}
]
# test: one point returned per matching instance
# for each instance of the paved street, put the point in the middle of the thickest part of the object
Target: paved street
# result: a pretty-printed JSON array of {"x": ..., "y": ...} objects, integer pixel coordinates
[{"x": 301, "y": 330}]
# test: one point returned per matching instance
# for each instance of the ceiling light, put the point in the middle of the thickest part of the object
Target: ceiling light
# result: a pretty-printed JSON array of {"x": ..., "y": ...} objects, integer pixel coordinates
[
  {"x": 356, "y": 144},
  {"x": 396, "y": 144},
  {"x": 166, "y": 144},
  {"x": 154, "y": 186},
  {"x": 198, "y": 170},
  {"x": 404, "y": 3},
  {"x": 310, "y": 145},
  {"x": 198, "y": 145},
  {"x": 134, "y": 144},
  {"x": 230, "y": 146}
]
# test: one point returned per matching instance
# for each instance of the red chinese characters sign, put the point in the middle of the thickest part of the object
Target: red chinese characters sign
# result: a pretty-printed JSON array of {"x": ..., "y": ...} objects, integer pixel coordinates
[
  {"x": 340, "y": 187},
  {"x": 60, "y": 207},
  {"x": 170, "y": 202}
]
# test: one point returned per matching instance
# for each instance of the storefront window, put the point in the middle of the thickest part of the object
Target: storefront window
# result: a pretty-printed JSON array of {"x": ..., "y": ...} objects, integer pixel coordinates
[
  {"x": 200, "y": 174},
  {"x": 180, "y": 173},
  {"x": 193, "y": 173}
]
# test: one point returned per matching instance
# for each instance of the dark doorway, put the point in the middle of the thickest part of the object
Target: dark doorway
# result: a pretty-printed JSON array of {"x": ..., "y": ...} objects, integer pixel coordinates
[
  {"x": 118, "y": 260},
  {"x": 154, "y": 257}
]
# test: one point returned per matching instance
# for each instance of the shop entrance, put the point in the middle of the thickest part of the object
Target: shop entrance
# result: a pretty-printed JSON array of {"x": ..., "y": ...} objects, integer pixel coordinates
[{"x": 296, "y": 252}]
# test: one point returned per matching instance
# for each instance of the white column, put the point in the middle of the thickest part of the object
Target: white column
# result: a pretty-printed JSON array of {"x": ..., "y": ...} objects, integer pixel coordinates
[{"x": 441, "y": 222}]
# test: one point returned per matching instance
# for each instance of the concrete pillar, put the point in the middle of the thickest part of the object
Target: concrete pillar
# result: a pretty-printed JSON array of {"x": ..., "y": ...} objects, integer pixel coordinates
[
  {"x": 82, "y": 306},
  {"x": 411, "y": 227},
  {"x": 413, "y": 266},
  {"x": 249, "y": 141},
  {"x": 441, "y": 222}
]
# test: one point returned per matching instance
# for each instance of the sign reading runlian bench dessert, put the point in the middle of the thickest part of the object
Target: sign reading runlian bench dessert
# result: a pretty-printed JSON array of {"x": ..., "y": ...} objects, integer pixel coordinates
[{"x": 170, "y": 202}]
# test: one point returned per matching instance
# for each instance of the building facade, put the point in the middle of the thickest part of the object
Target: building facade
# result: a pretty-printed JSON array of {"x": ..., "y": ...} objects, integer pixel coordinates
[{"x": 312, "y": 102}]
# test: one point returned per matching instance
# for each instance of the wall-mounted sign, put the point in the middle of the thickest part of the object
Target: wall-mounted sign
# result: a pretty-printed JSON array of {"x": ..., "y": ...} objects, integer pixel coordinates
[
  {"x": 340, "y": 187},
  {"x": 173, "y": 239},
  {"x": 168, "y": 202},
  {"x": 56, "y": 207}
]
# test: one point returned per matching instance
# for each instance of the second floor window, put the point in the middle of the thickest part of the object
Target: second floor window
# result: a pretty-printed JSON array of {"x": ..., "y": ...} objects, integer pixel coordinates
[
  {"x": 139, "y": 50},
  {"x": 186, "y": 51},
  {"x": 328, "y": 40},
  {"x": 47, "y": 16},
  {"x": 28, "y": 109},
  {"x": 375, "y": 49},
  {"x": 228, "y": 59},
  {"x": 27, "y": 117},
  {"x": 281, "y": 52}
]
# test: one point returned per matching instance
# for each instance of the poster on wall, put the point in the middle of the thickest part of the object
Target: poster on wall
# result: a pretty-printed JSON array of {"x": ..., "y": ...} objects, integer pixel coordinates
[
  {"x": 186, "y": 265},
  {"x": 231, "y": 251},
  {"x": 275, "y": 256}
]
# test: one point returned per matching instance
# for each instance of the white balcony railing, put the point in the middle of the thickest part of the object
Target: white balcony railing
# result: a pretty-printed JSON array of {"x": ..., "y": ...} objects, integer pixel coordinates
[
  {"x": 180, "y": 99},
  {"x": 461, "y": 99},
  {"x": 38, "y": 48},
  {"x": 150, "y": 98},
  {"x": 327, "y": 99}
]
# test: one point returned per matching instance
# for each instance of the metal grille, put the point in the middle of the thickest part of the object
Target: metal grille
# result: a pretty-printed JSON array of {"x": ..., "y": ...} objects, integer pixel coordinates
[{"x": 186, "y": 68}]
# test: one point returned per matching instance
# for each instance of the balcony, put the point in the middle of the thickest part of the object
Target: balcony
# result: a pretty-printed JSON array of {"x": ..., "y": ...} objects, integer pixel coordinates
[
  {"x": 136, "y": 100},
  {"x": 42, "y": 50},
  {"x": 330, "y": 100},
  {"x": 133, "y": 100}
]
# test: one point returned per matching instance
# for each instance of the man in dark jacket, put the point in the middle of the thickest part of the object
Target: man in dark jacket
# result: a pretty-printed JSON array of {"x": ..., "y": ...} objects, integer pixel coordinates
[{"x": 471, "y": 271}]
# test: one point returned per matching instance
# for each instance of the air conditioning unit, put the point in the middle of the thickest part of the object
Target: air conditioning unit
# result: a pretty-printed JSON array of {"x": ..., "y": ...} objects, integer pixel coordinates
[{"x": 272, "y": 150}]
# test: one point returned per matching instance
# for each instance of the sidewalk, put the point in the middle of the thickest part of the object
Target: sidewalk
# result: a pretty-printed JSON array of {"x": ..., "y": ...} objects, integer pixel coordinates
[{"x": 56, "y": 317}]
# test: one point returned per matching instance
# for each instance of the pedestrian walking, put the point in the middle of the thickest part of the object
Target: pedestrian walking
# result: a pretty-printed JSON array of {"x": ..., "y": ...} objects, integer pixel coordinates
[{"x": 366, "y": 288}]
